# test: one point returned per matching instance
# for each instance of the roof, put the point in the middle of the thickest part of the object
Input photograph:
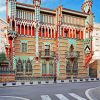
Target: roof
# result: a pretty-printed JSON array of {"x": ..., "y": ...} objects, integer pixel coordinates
[{"x": 48, "y": 10}]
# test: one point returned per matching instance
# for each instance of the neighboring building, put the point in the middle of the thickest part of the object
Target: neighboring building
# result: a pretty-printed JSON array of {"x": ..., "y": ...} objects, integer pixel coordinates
[
  {"x": 95, "y": 62},
  {"x": 45, "y": 42},
  {"x": 3, "y": 36},
  {"x": 96, "y": 41},
  {"x": 5, "y": 71}
]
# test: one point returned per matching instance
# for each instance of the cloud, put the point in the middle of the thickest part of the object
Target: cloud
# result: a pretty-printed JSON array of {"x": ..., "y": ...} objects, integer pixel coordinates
[
  {"x": 3, "y": 8},
  {"x": 2, "y": 2},
  {"x": 2, "y": 5}
]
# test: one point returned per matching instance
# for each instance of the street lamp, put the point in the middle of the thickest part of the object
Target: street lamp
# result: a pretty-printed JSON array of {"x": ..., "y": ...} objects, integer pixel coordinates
[{"x": 55, "y": 77}]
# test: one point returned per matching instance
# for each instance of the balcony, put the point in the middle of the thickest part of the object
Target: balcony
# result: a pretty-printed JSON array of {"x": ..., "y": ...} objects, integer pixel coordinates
[
  {"x": 73, "y": 54},
  {"x": 45, "y": 55}
]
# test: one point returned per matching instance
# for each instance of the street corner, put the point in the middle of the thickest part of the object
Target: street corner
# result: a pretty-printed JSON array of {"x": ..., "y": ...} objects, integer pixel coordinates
[{"x": 93, "y": 93}]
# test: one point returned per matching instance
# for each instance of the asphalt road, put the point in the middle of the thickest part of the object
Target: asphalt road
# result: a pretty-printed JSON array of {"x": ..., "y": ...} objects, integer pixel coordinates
[{"x": 70, "y": 91}]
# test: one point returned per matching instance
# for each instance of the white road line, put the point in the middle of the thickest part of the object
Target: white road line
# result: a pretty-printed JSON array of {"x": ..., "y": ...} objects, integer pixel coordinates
[
  {"x": 61, "y": 97},
  {"x": 88, "y": 91},
  {"x": 76, "y": 96},
  {"x": 14, "y": 97},
  {"x": 45, "y": 97}
]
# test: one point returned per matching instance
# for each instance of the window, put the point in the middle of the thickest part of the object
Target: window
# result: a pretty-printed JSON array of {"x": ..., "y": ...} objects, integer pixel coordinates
[
  {"x": 66, "y": 33},
  {"x": 49, "y": 32},
  {"x": 47, "y": 50},
  {"x": 24, "y": 47},
  {"x": 77, "y": 34},
  {"x": 44, "y": 70},
  {"x": 51, "y": 69},
  {"x": 19, "y": 66},
  {"x": 41, "y": 18},
  {"x": 49, "y": 19},
  {"x": 63, "y": 18},
  {"x": 28, "y": 66}
]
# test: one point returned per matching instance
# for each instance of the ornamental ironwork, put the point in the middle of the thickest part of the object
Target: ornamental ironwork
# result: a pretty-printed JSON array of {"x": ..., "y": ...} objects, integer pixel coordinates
[
  {"x": 44, "y": 54},
  {"x": 73, "y": 54}
]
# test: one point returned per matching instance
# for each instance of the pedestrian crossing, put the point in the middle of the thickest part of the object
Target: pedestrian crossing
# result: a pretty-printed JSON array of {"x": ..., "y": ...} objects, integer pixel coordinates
[{"x": 63, "y": 97}]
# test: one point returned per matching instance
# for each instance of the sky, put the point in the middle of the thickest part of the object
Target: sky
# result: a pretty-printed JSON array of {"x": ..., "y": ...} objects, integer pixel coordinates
[{"x": 52, "y": 4}]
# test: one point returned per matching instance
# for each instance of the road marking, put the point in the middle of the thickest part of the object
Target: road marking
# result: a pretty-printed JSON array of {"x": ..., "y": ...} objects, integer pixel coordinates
[
  {"x": 76, "y": 96},
  {"x": 14, "y": 97},
  {"x": 61, "y": 97},
  {"x": 88, "y": 91},
  {"x": 45, "y": 97}
]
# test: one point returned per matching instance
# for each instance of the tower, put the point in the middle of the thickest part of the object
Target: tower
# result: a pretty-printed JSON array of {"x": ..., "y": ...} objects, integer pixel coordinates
[
  {"x": 11, "y": 12},
  {"x": 37, "y": 4},
  {"x": 11, "y": 31},
  {"x": 87, "y": 8},
  {"x": 37, "y": 22}
]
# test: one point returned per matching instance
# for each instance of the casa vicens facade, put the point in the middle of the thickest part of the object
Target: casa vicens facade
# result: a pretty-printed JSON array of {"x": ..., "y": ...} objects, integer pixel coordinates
[{"x": 46, "y": 42}]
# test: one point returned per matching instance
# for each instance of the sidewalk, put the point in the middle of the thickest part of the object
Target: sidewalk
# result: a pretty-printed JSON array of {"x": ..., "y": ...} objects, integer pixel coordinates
[{"x": 21, "y": 83}]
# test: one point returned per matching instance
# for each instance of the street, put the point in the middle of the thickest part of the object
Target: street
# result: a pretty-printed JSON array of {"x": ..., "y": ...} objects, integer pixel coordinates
[{"x": 70, "y": 91}]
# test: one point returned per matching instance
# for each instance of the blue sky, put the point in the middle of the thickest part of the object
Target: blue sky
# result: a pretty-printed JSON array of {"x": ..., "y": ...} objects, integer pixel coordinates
[{"x": 70, "y": 4}]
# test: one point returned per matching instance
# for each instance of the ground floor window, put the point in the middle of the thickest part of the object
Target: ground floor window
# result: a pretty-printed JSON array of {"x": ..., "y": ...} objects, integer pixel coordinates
[
  {"x": 44, "y": 69},
  {"x": 28, "y": 66},
  {"x": 47, "y": 69},
  {"x": 23, "y": 65},
  {"x": 19, "y": 66},
  {"x": 51, "y": 69}
]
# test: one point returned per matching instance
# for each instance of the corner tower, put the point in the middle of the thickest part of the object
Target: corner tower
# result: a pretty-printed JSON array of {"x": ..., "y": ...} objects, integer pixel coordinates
[
  {"x": 11, "y": 12},
  {"x": 86, "y": 7},
  {"x": 11, "y": 31},
  {"x": 37, "y": 4}
]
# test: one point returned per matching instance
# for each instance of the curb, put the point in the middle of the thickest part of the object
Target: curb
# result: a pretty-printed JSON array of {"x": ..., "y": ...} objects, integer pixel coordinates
[{"x": 13, "y": 84}]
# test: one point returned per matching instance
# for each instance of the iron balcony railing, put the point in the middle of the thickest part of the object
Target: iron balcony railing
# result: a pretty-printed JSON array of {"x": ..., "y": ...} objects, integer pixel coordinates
[
  {"x": 50, "y": 54},
  {"x": 73, "y": 54}
]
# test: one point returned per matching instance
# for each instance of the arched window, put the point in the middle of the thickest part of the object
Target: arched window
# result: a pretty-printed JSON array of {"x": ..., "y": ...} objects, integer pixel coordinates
[
  {"x": 43, "y": 31},
  {"x": 28, "y": 66},
  {"x": 49, "y": 32},
  {"x": 66, "y": 32},
  {"x": 19, "y": 66}
]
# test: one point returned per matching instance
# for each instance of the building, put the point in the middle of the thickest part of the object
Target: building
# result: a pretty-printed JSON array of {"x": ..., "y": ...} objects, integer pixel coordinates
[
  {"x": 3, "y": 36},
  {"x": 96, "y": 41},
  {"x": 48, "y": 43},
  {"x": 95, "y": 62},
  {"x": 5, "y": 72}
]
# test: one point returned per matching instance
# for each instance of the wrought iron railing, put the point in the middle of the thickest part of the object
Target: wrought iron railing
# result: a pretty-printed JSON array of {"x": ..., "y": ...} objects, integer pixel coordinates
[
  {"x": 73, "y": 54},
  {"x": 50, "y": 54}
]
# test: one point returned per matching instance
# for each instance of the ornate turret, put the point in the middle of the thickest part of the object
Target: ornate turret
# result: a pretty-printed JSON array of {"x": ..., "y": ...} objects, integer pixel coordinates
[
  {"x": 11, "y": 4},
  {"x": 86, "y": 7},
  {"x": 37, "y": 4},
  {"x": 37, "y": 22},
  {"x": 11, "y": 17}
]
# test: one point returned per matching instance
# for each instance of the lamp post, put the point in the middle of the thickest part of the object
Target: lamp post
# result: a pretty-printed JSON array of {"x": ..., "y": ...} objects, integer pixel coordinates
[{"x": 55, "y": 77}]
